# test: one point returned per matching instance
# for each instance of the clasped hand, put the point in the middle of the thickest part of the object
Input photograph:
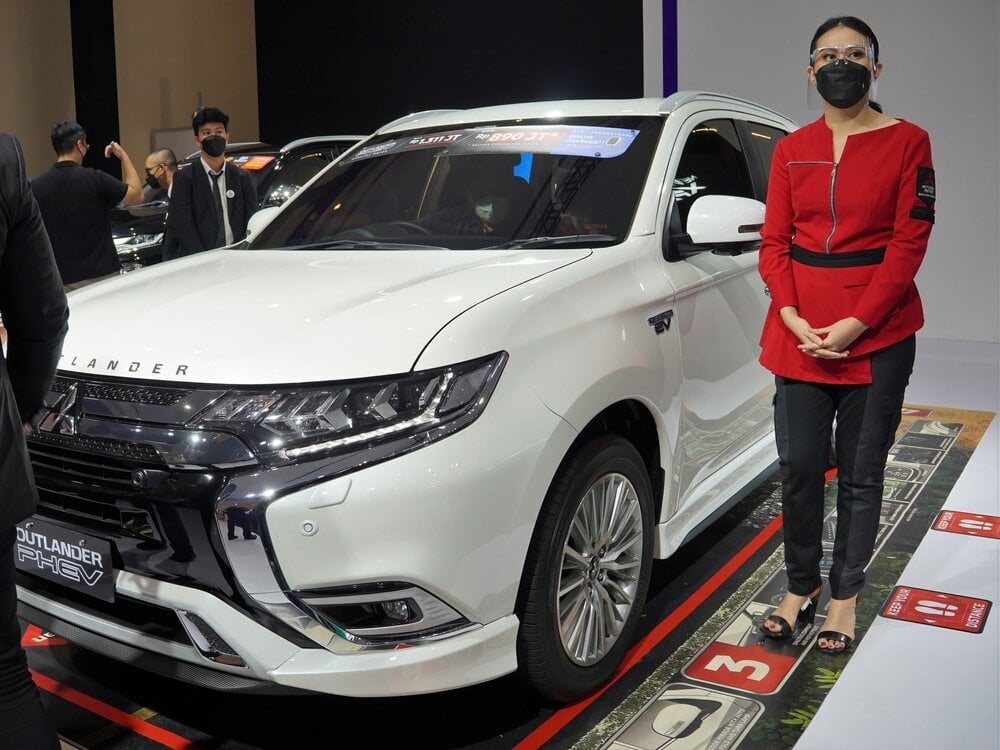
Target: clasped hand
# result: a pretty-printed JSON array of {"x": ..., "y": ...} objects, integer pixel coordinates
[{"x": 829, "y": 342}]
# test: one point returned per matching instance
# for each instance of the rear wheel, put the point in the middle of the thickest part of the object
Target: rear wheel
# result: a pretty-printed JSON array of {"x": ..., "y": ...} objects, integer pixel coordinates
[{"x": 587, "y": 571}]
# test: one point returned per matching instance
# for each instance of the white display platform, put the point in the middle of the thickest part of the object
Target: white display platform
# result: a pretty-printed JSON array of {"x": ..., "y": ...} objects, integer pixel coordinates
[{"x": 917, "y": 686}]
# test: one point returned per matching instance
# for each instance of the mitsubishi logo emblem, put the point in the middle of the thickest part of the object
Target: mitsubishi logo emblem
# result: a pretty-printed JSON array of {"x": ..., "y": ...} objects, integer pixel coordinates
[{"x": 65, "y": 414}]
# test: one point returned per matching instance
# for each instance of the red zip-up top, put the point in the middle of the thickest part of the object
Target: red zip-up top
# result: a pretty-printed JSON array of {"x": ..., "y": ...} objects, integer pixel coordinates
[{"x": 845, "y": 239}]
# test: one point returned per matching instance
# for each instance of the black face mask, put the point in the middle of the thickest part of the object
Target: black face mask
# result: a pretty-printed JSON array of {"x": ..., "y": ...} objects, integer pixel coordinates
[
  {"x": 214, "y": 145},
  {"x": 152, "y": 182},
  {"x": 843, "y": 83}
]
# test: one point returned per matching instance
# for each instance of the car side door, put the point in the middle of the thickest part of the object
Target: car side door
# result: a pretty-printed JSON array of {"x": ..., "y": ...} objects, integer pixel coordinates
[{"x": 725, "y": 398}]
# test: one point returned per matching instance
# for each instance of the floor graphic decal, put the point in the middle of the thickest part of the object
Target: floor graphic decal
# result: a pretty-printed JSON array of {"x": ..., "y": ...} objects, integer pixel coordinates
[
  {"x": 971, "y": 524},
  {"x": 937, "y": 608},
  {"x": 742, "y": 690},
  {"x": 35, "y": 636}
]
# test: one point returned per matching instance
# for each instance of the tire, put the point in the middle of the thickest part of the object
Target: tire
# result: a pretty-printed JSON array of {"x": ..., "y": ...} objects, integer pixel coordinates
[{"x": 570, "y": 644}]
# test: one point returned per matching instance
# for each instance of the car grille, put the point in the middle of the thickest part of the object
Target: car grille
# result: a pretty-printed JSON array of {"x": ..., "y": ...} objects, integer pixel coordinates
[
  {"x": 117, "y": 460},
  {"x": 88, "y": 483},
  {"x": 131, "y": 394},
  {"x": 84, "y": 455},
  {"x": 96, "y": 469},
  {"x": 85, "y": 479}
]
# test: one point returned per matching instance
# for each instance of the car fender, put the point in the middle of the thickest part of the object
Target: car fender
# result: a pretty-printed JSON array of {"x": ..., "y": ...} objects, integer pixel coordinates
[{"x": 582, "y": 338}]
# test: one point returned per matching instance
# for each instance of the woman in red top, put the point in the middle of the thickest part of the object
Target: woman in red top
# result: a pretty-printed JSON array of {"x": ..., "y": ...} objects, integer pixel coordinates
[{"x": 850, "y": 207}]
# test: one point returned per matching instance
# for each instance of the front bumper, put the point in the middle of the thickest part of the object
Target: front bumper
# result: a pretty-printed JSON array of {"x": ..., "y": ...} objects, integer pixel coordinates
[
  {"x": 453, "y": 518},
  {"x": 273, "y": 665}
]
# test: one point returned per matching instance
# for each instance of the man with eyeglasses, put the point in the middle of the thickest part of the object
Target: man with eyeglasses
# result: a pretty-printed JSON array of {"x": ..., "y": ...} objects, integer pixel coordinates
[
  {"x": 161, "y": 166},
  {"x": 75, "y": 202}
]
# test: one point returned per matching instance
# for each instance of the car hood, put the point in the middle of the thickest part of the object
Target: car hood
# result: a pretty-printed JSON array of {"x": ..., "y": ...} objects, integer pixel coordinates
[
  {"x": 141, "y": 219},
  {"x": 270, "y": 317}
]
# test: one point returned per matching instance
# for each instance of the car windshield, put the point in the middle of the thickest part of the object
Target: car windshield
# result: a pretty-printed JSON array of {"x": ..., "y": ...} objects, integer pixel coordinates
[{"x": 510, "y": 184}]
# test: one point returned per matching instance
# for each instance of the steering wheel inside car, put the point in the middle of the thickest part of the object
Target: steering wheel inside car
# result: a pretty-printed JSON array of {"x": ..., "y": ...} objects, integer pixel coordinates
[{"x": 411, "y": 227}]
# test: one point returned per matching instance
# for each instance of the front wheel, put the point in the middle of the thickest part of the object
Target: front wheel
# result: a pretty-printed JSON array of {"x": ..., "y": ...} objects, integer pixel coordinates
[{"x": 587, "y": 571}]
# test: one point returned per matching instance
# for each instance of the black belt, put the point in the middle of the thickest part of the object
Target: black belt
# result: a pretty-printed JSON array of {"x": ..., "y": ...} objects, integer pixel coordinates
[{"x": 838, "y": 260}]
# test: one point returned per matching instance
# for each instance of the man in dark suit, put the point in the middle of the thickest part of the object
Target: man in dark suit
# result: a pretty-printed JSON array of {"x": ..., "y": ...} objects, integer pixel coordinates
[
  {"x": 211, "y": 200},
  {"x": 33, "y": 306}
]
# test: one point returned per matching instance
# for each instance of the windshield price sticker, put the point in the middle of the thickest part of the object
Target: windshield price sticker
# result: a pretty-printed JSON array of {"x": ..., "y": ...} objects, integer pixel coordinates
[
  {"x": 78, "y": 561},
  {"x": 437, "y": 139},
  {"x": 252, "y": 163},
  {"x": 519, "y": 136},
  {"x": 561, "y": 140}
]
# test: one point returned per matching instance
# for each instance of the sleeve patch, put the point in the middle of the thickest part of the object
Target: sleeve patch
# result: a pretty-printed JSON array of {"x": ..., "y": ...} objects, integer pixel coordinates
[
  {"x": 922, "y": 213},
  {"x": 926, "y": 186}
]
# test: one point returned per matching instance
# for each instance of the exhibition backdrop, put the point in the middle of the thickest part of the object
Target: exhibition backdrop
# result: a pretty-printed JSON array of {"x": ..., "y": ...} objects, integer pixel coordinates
[{"x": 348, "y": 67}]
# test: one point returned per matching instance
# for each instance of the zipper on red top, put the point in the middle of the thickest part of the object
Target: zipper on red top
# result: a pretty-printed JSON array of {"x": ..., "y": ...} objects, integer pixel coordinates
[{"x": 833, "y": 208}]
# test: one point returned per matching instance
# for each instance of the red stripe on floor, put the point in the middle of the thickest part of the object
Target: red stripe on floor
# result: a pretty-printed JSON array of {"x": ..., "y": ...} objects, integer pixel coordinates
[
  {"x": 561, "y": 718},
  {"x": 127, "y": 720}
]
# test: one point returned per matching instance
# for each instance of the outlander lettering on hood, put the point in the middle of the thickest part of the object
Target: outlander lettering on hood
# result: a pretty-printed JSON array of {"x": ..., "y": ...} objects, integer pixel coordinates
[{"x": 132, "y": 367}]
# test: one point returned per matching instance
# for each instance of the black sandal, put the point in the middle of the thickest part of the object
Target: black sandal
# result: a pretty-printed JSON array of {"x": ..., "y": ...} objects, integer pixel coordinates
[
  {"x": 833, "y": 635},
  {"x": 807, "y": 614}
]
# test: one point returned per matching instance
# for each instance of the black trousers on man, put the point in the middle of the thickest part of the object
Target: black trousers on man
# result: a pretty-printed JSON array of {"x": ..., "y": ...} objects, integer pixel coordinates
[{"x": 866, "y": 418}]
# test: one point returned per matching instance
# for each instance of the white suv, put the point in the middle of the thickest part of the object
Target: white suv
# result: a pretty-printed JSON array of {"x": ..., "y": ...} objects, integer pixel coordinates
[{"x": 434, "y": 423}]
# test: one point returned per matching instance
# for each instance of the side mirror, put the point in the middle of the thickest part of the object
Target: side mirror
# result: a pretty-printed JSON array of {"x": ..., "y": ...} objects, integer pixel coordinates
[
  {"x": 280, "y": 194},
  {"x": 724, "y": 224},
  {"x": 722, "y": 219},
  {"x": 260, "y": 219}
]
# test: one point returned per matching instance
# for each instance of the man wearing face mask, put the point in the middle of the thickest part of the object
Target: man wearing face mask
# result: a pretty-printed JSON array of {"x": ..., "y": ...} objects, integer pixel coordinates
[
  {"x": 210, "y": 201},
  {"x": 75, "y": 202},
  {"x": 161, "y": 166},
  {"x": 491, "y": 203}
]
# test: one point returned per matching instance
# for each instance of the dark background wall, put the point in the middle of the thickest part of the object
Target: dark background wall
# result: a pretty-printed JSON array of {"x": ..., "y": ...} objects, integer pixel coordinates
[
  {"x": 95, "y": 85},
  {"x": 350, "y": 67}
]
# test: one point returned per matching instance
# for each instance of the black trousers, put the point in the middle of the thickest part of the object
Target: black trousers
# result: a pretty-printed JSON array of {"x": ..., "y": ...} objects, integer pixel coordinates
[
  {"x": 24, "y": 724},
  {"x": 866, "y": 419}
]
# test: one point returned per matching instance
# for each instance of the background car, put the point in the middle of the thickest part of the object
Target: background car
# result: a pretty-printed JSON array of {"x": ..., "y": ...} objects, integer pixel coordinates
[{"x": 277, "y": 173}]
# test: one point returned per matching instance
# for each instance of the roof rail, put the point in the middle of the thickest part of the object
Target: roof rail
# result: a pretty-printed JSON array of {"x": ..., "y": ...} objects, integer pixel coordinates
[
  {"x": 680, "y": 98},
  {"x": 320, "y": 139},
  {"x": 415, "y": 116}
]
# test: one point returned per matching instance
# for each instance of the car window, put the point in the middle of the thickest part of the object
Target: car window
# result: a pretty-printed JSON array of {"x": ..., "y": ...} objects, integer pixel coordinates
[
  {"x": 713, "y": 162},
  {"x": 763, "y": 139},
  {"x": 294, "y": 173}
]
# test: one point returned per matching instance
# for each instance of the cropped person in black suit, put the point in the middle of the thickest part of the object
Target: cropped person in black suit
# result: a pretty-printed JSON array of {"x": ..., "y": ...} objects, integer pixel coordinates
[
  {"x": 211, "y": 200},
  {"x": 33, "y": 305}
]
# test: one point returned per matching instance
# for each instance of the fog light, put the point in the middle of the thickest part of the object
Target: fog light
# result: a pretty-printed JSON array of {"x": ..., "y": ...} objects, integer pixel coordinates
[
  {"x": 383, "y": 612},
  {"x": 398, "y": 609},
  {"x": 363, "y": 616}
]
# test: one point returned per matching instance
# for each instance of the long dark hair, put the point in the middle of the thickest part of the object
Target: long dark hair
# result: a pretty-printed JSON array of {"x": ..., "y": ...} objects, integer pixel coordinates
[{"x": 851, "y": 22}]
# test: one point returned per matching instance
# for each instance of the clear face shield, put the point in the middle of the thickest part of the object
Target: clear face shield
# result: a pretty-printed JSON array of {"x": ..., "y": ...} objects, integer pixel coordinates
[{"x": 859, "y": 54}]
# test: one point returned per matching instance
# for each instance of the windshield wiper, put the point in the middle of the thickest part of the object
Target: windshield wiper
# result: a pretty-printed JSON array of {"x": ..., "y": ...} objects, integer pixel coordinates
[
  {"x": 358, "y": 245},
  {"x": 579, "y": 240}
]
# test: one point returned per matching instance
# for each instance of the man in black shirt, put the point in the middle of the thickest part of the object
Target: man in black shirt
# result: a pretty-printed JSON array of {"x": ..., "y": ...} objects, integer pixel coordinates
[{"x": 75, "y": 203}]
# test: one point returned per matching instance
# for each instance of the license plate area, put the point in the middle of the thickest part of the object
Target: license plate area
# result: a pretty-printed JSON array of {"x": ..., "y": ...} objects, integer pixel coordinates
[{"x": 70, "y": 558}]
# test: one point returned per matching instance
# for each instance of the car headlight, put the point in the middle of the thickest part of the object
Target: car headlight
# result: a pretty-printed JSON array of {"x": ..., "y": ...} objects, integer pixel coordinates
[
  {"x": 395, "y": 414},
  {"x": 133, "y": 242}
]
